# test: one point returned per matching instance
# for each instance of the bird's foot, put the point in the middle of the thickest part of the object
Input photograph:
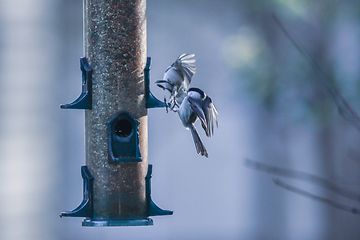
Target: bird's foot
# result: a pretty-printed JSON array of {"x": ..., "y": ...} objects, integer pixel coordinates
[
  {"x": 167, "y": 105},
  {"x": 174, "y": 104}
]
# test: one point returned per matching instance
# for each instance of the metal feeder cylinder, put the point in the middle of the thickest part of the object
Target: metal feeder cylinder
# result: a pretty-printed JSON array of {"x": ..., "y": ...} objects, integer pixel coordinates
[{"x": 115, "y": 98}]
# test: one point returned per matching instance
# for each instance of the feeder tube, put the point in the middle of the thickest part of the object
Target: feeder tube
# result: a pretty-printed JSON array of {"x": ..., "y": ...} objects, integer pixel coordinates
[{"x": 115, "y": 46}]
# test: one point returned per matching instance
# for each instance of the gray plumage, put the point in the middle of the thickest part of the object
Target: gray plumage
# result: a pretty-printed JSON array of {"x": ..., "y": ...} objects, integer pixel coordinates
[
  {"x": 177, "y": 77},
  {"x": 197, "y": 105}
]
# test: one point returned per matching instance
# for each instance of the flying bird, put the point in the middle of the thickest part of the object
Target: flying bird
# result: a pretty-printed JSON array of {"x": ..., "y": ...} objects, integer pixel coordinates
[
  {"x": 197, "y": 105},
  {"x": 177, "y": 77}
]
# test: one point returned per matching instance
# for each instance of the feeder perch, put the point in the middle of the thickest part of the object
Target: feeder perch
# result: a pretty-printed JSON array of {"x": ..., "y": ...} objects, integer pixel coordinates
[
  {"x": 84, "y": 101},
  {"x": 85, "y": 209},
  {"x": 151, "y": 101}
]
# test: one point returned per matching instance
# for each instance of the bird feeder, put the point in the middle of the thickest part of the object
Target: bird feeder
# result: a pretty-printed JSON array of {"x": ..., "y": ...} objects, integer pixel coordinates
[{"x": 115, "y": 96}]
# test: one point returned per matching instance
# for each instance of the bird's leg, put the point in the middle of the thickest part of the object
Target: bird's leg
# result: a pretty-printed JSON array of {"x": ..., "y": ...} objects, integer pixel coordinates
[
  {"x": 166, "y": 105},
  {"x": 173, "y": 94},
  {"x": 173, "y": 107},
  {"x": 171, "y": 100},
  {"x": 171, "y": 104},
  {"x": 175, "y": 104}
]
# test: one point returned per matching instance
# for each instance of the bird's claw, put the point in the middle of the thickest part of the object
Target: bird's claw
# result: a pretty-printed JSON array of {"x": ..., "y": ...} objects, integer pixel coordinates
[
  {"x": 173, "y": 106},
  {"x": 166, "y": 105}
]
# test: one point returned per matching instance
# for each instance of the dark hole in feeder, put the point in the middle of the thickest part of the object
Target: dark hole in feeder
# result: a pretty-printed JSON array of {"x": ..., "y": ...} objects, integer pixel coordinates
[{"x": 123, "y": 128}]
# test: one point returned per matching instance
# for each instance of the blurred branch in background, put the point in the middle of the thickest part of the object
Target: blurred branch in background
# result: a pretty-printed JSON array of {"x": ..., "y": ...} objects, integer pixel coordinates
[
  {"x": 315, "y": 197},
  {"x": 345, "y": 110},
  {"x": 283, "y": 172},
  {"x": 289, "y": 173},
  {"x": 296, "y": 124}
]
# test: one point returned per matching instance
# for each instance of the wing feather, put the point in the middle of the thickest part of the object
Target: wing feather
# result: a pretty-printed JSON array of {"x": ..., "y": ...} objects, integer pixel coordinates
[{"x": 196, "y": 107}]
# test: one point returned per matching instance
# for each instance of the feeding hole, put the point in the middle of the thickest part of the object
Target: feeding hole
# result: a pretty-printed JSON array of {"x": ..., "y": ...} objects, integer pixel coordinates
[{"x": 123, "y": 128}]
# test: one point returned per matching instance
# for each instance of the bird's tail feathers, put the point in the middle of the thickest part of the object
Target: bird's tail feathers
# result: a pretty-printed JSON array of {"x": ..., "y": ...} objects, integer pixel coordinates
[{"x": 200, "y": 148}]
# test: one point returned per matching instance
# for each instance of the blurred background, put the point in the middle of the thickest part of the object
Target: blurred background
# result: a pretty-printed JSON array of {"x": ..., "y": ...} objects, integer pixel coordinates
[{"x": 272, "y": 109}]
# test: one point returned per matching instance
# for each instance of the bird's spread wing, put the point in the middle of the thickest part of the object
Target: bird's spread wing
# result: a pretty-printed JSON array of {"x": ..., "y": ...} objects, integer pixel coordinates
[
  {"x": 185, "y": 62},
  {"x": 214, "y": 118},
  {"x": 206, "y": 112},
  {"x": 210, "y": 116},
  {"x": 196, "y": 107}
]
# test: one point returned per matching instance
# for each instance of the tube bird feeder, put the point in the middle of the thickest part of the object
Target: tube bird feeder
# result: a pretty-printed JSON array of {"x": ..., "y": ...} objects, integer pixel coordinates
[{"x": 115, "y": 96}]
